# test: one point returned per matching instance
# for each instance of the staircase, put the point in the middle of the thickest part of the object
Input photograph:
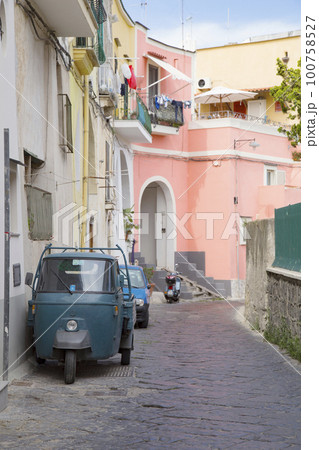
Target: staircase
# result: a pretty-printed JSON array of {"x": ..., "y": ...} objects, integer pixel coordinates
[
  {"x": 190, "y": 271},
  {"x": 194, "y": 285}
]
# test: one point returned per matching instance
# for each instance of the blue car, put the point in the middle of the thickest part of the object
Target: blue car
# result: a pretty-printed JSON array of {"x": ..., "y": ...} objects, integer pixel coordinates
[{"x": 141, "y": 291}]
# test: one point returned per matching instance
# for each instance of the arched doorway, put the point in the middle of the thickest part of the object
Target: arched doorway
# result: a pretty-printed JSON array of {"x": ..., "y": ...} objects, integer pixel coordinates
[
  {"x": 157, "y": 233},
  {"x": 125, "y": 182}
]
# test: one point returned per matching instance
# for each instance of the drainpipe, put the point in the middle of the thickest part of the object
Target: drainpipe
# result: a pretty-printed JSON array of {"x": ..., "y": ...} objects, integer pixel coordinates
[
  {"x": 6, "y": 255},
  {"x": 85, "y": 170}
]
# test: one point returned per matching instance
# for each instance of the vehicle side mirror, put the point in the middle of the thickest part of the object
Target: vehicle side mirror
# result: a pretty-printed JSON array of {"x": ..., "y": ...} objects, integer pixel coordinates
[
  {"x": 28, "y": 279},
  {"x": 121, "y": 280}
]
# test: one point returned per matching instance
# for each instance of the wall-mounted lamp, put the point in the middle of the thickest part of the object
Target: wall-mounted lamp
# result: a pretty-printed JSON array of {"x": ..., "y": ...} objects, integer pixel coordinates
[
  {"x": 285, "y": 58},
  {"x": 252, "y": 143}
]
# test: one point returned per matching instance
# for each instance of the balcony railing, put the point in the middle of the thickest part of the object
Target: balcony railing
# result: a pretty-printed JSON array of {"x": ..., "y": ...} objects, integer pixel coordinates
[
  {"x": 168, "y": 114},
  {"x": 93, "y": 43},
  {"x": 98, "y": 11},
  {"x": 131, "y": 107},
  {"x": 236, "y": 115}
]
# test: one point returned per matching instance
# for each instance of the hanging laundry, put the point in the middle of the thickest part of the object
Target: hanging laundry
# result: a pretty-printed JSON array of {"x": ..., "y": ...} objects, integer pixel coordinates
[
  {"x": 187, "y": 104},
  {"x": 156, "y": 102},
  {"x": 126, "y": 71},
  {"x": 132, "y": 80},
  {"x": 178, "y": 107},
  {"x": 117, "y": 83},
  {"x": 122, "y": 89}
]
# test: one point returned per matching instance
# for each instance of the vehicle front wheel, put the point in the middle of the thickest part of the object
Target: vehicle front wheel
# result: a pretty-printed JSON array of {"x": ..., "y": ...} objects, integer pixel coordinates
[
  {"x": 40, "y": 360},
  {"x": 69, "y": 366},
  {"x": 144, "y": 324},
  {"x": 126, "y": 356}
]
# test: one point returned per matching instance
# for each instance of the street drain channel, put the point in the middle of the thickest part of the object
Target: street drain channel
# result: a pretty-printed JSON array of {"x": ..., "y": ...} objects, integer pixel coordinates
[
  {"x": 104, "y": 371},
  {"x": 21, "y": 383}
]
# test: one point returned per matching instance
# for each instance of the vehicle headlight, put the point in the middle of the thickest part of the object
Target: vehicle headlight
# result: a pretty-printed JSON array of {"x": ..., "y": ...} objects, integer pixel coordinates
[
  {"x": 139, "y": 302},
  {"x": 71, "y": 325}
]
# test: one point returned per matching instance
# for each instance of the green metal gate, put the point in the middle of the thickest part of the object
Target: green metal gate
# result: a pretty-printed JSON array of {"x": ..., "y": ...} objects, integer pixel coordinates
[{"x": 288, "y": 237}]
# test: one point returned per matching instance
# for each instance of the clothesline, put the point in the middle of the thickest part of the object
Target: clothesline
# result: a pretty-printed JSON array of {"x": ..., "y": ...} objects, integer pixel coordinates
[
  {"x": 160, "y": 99},
  {"x": 163, "y": 100}
]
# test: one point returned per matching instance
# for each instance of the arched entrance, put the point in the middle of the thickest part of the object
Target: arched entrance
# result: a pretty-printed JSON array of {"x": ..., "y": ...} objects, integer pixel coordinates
[
  {"x": 125, "y": 182},
  {"x": 157, "y": 233}
]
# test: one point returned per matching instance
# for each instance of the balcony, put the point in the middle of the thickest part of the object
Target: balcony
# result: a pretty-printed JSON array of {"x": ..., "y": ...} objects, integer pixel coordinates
[
  {"x": 132, "y": 121},
  {"x": 166, "y": 119},
  {"x": 68, "y": 18},
  {"x": 108, "y": 86},
  {"x": 87, "y": 54},
  {"x": 218, "y": 119}
]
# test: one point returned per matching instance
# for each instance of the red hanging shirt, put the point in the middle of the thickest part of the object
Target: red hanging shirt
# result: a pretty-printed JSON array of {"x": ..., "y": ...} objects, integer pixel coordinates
[{"x": 132, "y": 81}]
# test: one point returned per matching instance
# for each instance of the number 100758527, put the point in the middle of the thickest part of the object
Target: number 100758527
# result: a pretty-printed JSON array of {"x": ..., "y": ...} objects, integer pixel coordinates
[{"x": 310, "y": 51}]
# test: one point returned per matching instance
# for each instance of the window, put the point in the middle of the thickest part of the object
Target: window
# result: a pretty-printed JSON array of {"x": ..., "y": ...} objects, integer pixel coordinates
[
  {"x": 39, "y": 205},
  {"x": 137, "y": 279},
  {"x": 278, "y": 107},
  {"x": 76, "y": 275},
  {"x": 244, "y": 235},
  {"x": 153, "y": 90},
  {"x": 273, "y": 176},
  {"x": 13, "y": 199},
  {"x": 65, "y": 123},
  {"x": 108, "y": 173}
]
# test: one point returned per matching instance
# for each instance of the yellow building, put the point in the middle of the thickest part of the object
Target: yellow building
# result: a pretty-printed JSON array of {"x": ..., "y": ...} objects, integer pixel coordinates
[{"x": 250, "y": 65}]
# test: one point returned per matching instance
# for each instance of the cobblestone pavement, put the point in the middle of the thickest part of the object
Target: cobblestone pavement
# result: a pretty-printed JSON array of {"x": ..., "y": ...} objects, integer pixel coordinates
[{"x": 198, "y": 379}]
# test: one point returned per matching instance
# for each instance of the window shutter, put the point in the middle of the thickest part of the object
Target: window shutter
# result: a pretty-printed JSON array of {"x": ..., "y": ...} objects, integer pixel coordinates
[{"x": 281, "y": 177}]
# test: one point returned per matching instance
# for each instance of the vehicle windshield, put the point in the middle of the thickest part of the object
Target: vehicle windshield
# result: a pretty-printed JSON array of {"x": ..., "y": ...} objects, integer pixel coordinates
[
  {"x": 137, "y": 280},
  {"x": 76, "y": 275}
]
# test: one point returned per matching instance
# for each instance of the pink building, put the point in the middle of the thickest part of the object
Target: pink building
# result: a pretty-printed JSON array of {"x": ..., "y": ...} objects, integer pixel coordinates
[{"x": 200, "y": 181}]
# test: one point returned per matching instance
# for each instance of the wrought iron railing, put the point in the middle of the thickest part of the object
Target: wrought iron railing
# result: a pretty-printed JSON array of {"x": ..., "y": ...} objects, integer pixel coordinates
[
  {"x": 143, "y": 115},
  {"x": 170, "y": 114},
  {"x": 98, "y": 11},
  {"x": 236, "y": 115},
  {"x": 97, "y": 43},
  {"x": 132, "y": 107}
]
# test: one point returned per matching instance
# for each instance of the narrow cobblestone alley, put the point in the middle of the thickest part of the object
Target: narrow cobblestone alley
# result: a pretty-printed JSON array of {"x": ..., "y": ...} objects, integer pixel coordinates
[{"x": 198, "y": 379}]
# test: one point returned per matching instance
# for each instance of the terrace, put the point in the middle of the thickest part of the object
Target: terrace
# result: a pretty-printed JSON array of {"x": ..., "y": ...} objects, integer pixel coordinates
[{"x": 239, "y": 116}]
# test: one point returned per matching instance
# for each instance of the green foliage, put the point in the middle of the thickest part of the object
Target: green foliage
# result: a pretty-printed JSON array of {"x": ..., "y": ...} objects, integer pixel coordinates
[
  {"x": 149, "y": 272},
  {"x": 288, "y": 94},
  {"x": 256, "y": 326},
  {"x": 129, "y": 225},
  {"x": 282, "y": 337}
]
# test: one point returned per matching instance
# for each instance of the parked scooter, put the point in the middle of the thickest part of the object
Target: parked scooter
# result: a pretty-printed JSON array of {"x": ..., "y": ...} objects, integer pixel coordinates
[{"x": 173, "y": 287}]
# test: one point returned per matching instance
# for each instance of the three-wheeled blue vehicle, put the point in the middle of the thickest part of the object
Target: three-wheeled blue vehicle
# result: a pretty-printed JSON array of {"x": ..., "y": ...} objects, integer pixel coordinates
[{"x": 78, "y": 309}]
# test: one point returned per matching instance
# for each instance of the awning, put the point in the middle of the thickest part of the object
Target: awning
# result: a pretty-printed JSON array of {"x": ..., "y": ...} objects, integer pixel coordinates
[{"x": 174, "y": 72}]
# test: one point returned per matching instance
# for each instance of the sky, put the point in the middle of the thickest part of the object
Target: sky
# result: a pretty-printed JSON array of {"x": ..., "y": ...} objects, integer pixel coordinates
[{"x": 210, "y": 23}]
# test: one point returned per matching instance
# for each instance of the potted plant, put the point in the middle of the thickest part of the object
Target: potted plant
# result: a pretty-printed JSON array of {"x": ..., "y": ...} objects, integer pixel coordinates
[
  {"x": 129, "y": 224},
  {"x": 149, "y": 272}
]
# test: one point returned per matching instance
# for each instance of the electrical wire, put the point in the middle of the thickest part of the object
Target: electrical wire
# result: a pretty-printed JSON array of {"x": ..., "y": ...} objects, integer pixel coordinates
[{"x": 53, "y": 40}]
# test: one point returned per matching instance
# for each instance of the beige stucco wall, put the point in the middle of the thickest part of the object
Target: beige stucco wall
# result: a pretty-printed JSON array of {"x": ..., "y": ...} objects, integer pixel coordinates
[
  {"x": 248, "y": 66},
  {"x": 123, "y": 30}
]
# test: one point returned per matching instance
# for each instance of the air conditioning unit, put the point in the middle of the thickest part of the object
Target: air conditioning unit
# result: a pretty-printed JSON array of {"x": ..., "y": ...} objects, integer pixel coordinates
[{"x": 204, "y": 83}]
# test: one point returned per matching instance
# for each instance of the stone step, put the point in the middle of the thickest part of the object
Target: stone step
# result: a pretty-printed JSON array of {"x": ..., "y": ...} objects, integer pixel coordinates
[{"x": 199, "y": 290}]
